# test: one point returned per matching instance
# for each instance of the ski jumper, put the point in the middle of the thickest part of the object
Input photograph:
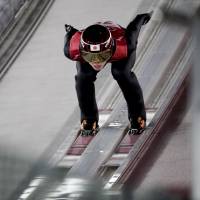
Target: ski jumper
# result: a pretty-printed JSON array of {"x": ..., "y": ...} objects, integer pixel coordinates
[{"x": 122, "y": 61}]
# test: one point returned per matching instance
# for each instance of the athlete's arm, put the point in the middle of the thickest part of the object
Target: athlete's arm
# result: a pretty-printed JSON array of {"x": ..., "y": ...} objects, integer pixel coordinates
[
  {"x": 133, "y": 29},
  {"x": 70, "y": 31}
]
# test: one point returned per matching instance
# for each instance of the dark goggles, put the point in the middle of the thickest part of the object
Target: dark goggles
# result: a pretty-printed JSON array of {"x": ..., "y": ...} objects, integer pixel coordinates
[{"x": 97, "y": 57}]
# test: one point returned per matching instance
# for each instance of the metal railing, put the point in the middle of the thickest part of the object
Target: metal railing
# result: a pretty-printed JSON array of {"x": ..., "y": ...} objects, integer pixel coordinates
[{"x": 8, "y": 12}]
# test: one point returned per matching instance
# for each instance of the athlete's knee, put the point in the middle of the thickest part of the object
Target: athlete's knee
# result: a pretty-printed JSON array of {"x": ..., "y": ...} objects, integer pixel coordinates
[
  {"x": 118, "y": 74},
  {"x": 89, "y": 77}
]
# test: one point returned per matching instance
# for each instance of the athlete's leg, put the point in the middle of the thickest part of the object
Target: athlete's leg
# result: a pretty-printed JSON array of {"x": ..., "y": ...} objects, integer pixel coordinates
[
  {"x": 127, "y": 81},
  {"x": 85, "y": 89}
]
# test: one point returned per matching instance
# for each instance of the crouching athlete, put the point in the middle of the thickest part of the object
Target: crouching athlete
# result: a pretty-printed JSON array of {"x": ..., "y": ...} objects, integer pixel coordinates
[{"x": 92, "y": 48}]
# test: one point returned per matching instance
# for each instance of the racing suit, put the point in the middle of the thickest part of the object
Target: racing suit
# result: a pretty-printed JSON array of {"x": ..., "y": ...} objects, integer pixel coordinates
[{"x": 121, "y": 64}]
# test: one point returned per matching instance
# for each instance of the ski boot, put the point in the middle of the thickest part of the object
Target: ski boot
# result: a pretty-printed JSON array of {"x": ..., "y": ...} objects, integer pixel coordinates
[
  {"x": 89, "y": 128},
  {"x": 137, "y": 127}
]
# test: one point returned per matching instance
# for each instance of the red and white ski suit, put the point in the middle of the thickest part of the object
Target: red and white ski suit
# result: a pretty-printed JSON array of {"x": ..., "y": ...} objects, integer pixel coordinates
[{"x": 122, "y": 61}]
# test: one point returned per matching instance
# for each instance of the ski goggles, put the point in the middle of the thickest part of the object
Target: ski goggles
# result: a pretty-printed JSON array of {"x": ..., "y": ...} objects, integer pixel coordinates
[{"x": 96, "y": 57}]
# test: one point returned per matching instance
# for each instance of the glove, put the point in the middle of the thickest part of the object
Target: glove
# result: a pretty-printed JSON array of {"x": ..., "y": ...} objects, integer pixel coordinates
[
  {"x": 68, "y": 28},
  {"x": 146, "y": 17}
]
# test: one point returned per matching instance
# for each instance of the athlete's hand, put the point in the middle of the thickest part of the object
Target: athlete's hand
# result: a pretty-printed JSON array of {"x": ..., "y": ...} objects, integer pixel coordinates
[
  {"x": 146, "y": 17},
  {"x": 68, "y": 28}
]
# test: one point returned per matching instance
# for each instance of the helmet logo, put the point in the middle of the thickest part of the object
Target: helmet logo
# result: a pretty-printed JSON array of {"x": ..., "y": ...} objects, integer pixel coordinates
[{"x": 95, "y": 47}]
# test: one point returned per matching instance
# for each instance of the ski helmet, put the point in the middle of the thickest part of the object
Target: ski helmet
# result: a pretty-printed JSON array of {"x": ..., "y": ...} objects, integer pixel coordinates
[{"x": 96, "y": 45}]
